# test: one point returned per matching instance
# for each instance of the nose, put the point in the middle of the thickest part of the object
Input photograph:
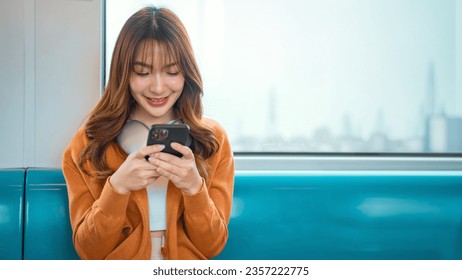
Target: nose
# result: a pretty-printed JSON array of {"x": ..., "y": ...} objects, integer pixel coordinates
[{"x": 157, "y": 84}]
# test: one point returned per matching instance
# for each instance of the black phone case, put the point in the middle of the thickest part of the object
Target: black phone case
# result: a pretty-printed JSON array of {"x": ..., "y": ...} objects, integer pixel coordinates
[{"x": 178, "y": 133}]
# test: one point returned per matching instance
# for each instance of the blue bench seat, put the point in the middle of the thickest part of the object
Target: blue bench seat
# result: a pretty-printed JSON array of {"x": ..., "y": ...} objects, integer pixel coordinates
[{"x": 282, "y": 215}]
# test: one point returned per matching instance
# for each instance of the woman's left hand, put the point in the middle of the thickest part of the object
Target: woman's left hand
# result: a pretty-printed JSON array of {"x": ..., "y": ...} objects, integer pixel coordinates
[{"x": 181, "y": 171}]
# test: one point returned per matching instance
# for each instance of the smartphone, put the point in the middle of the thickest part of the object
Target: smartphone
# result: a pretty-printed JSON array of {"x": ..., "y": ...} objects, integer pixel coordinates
[{"x": 165, "y": 134}]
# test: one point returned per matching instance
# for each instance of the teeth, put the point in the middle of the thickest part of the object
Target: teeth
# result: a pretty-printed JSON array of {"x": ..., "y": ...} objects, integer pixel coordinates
[{"x": 157, "y": 99}]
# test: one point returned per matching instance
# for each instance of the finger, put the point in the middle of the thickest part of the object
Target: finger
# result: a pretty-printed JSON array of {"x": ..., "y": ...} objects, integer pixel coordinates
[
  {"x": 185, "y": 151},
  {"x": 151, "y": 175},
  {"x": 151, "y": 171},
  {"x": 148, "y": 165},
  {"x": 171, "y": 176},
  {"x": 168, "y": 158},
  {"x": 166, "y": 165},
  {"x": 148, "y": 150}
]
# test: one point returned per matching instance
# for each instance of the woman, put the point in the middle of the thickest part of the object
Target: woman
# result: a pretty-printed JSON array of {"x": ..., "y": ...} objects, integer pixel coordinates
[{"x": 131, "y": 202}]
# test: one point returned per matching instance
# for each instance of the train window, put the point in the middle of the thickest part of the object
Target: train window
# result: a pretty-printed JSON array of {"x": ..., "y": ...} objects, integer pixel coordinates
[{"x": 310, "y": 76}]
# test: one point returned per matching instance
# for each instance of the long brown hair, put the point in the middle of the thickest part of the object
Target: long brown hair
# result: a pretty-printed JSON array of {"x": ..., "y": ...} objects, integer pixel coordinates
[{"x": 116, "y": 105}]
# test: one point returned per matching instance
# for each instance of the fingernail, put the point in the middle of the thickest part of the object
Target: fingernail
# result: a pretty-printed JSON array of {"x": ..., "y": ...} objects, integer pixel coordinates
[{"x": 161, "y": 147}]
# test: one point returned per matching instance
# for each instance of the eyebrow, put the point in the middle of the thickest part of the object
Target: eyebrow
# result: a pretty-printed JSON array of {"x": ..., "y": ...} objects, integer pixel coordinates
[{"x": 143, "y": 64}]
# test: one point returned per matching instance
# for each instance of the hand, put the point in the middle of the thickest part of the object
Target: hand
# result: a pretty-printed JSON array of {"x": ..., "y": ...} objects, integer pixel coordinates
[
  {"x": 181, "y": 171},
  {"x": 136, "y": 172}
]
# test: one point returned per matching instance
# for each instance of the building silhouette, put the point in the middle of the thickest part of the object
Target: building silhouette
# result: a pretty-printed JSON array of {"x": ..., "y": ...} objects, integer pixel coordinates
[{"x": 443, "y": 133}]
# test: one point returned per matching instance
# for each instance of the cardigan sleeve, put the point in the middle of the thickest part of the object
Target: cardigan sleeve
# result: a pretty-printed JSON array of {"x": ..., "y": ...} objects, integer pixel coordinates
[
  {"x": 97, "y": 222},
  {"x": 207, "y": 213}
]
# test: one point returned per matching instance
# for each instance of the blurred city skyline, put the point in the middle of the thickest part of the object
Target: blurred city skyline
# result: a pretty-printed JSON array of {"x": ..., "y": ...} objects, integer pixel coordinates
[{"x": 441, "y": 133}]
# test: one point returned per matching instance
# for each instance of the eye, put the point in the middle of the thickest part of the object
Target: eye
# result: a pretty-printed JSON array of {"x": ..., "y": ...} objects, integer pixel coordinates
[
  {"x": 172, "y": 73},
  {"x": 142, "y": 73}
]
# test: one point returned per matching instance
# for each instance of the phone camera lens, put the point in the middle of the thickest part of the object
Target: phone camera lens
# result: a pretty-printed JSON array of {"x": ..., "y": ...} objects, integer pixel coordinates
[
  {"x": 164, "y": 133},
  {"x": 160, "y": 134}
]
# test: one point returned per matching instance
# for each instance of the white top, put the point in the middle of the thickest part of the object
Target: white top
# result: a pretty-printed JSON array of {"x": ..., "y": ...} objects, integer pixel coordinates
[
  {"x": 134, "y": 135},
  {"x": 157, "y": 196}
]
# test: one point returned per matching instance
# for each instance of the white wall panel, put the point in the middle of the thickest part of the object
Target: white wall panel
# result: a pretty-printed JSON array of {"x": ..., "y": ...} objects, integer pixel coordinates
[
  {"x": 12, "y": 83},
  {"x": 67, "y": 73},
  {"x": 50, "y": 76}
]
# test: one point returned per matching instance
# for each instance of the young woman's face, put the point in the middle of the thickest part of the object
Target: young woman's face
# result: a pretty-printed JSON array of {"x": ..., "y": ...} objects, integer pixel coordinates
[{"x": 156, "y": 83}]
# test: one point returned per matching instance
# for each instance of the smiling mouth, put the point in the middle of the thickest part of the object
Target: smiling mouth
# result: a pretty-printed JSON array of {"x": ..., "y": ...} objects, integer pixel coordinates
[{"x": 157, "y": 101}]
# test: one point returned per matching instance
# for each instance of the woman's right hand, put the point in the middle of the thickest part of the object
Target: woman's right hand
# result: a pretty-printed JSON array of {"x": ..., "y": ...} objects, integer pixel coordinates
[{"x": 136, "y": 172}]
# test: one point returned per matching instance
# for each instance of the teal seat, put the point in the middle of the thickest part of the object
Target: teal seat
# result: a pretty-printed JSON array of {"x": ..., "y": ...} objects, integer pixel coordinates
[
  {"x": 349, "y": 216},
  {"x": 11, "y": 213},
  {"x": 47, "y": 229},
  {"x": 275, "y": 216}
]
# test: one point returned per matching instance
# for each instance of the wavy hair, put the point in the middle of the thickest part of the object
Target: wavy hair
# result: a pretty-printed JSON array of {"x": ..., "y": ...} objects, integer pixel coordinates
[{"x": 107, "y": 119}]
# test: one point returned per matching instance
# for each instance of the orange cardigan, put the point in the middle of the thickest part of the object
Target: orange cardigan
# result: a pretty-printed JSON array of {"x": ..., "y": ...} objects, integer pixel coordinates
[{"x": 109, "y": 225}]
